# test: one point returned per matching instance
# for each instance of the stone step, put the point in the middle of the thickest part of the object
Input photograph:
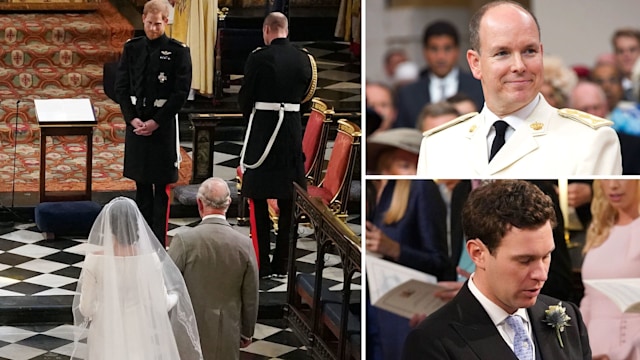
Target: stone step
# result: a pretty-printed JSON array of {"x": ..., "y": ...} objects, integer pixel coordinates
[{"x": 61, "y": 56}]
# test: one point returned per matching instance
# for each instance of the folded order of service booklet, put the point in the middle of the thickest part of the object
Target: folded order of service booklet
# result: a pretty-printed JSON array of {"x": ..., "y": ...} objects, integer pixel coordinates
[
  {"x": 401, "y": 290},
  {"x": 623, "y": 292}
]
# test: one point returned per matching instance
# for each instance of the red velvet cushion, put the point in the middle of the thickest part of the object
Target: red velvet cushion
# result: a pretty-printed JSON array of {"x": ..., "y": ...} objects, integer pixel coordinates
[
  {"x": 311, "y": 138},
  {"x": 337, "y": 166},
  {"x": 273, "y": 206},
  {"x": 320, "y": 192}
]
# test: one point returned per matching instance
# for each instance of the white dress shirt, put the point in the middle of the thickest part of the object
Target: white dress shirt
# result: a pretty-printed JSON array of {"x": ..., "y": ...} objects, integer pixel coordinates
[
  {"x": 514, "y": 120},
  {"x": 449, "y": 83},
  {"x": 498, "y": 316}
]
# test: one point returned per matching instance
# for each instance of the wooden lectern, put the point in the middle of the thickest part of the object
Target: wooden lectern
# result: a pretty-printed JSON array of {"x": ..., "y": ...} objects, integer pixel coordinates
[{"x": 63, "y": 117}]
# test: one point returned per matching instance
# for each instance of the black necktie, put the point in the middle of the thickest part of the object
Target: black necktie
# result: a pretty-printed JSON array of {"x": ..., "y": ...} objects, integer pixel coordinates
[{"x": 498, "y": 141}]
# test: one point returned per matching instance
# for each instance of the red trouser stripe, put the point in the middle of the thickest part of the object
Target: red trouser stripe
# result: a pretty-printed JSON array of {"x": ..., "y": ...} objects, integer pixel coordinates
[
  {"x": 254, "y": 230},
  {"x": 167, "y": 190}
]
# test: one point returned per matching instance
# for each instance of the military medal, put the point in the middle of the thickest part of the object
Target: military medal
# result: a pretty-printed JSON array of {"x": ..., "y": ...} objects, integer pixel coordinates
[{"x": 162, "y": 78}]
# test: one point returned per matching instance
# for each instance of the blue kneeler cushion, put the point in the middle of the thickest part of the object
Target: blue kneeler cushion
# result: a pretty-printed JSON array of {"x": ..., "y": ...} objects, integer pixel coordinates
[{"x": 66, "y": 217}]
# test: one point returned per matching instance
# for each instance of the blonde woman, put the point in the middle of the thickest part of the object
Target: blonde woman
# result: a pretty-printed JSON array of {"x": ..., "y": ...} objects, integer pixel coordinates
[
  {"x": 612, "y": 251},
  {"x": 407, "y": 226}
]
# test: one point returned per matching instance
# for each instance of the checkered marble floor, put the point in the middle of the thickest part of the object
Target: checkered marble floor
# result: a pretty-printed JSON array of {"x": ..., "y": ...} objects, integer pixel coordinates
[
  {"x": 339, "y": 77},
  {"x": 33, "y": 266},
  {"x": 272, "y": 340}
]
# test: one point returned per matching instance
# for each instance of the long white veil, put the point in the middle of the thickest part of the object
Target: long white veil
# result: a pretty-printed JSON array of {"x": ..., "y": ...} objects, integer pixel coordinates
[{"x": 131, "y": 300}]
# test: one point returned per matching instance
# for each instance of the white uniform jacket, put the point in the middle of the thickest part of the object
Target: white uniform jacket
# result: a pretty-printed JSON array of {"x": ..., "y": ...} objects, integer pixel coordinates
[{"x": 552, "y": 143}]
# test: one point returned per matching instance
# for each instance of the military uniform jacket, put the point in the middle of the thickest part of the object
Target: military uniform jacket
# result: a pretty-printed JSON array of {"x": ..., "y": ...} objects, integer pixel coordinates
[
  {"x": 553, "y": 143},
  {"x": 158, "y": 74},
  {"x": 278, "y": 73},
  {"x": 221, "y": 273}
]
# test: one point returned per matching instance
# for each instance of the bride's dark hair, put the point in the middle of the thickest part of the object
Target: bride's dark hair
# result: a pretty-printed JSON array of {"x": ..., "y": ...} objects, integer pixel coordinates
[{"x": 122, "y": 218}]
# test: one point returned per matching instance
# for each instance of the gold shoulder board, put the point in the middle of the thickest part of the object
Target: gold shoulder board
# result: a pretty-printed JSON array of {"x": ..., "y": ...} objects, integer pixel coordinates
[
  {"x": 582, "y": 117},
  {"x": 134, "y": 38},
  {"x": 314, "y": 80},
  {"x": 458, "y": 120}
]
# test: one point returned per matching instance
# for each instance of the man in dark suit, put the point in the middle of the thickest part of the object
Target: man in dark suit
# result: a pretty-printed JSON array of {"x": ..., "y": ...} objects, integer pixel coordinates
[
  {"x": 558, "y": 284},
  {"x": 499, "y": 312},
  {"x": 152, "y": 84},
  {"x": 277, "y": 79},
  {"x": 441, "y": 80}
]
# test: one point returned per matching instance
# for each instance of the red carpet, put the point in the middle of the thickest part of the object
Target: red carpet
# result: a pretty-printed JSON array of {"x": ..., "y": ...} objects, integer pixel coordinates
[{"x": 60, "y": 55}]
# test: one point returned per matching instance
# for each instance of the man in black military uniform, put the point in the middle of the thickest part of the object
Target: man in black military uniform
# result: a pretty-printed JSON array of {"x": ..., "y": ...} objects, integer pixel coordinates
[
  {"x": 277, "y": 79},
  {"x": 152, "y": 84}
]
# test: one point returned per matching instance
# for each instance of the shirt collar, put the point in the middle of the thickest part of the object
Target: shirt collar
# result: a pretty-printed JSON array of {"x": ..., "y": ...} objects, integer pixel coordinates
[
  {"x": 214, "y": 216},
  {"x": 495, "y": 312},
  {"x": 515, "y": 119},
  {"x": 451, "y": 76}
]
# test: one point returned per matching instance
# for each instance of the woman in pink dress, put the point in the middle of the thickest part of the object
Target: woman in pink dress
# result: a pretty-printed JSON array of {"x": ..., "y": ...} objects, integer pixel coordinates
[{"x": 612, "y": 252}]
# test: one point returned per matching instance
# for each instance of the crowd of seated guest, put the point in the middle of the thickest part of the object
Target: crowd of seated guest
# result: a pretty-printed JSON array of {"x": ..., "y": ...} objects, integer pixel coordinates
[{"x": 616, "y": 73}]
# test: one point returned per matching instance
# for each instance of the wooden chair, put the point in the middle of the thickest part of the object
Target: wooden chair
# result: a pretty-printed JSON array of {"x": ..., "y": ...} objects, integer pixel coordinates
[
  {"x": 233, "y": 46},
  {"x": 314, "y": 144},
  {"x": 336, "y": 184}
]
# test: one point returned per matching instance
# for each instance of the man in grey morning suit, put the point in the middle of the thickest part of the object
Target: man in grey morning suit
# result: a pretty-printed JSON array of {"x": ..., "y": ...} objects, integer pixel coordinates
[{"x": 221, "y": 272}]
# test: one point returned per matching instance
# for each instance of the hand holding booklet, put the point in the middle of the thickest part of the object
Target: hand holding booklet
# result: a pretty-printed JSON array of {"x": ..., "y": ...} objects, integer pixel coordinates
[
  {"x": 623, "y": 292},
  {"x": 401, "y": 290}
]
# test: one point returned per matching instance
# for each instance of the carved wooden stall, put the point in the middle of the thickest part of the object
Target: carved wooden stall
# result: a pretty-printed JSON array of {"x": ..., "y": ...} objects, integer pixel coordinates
[{"x": 316, "y": 314}]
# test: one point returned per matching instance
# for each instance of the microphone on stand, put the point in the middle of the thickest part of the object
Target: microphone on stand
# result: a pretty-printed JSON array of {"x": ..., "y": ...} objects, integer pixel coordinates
[
  {"x": 15, "y": 152},
  {"x": 8, "y": 217}
]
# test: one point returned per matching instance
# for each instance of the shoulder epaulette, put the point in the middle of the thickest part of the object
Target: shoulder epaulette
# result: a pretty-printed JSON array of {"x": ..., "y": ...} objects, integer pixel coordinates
[
  {"x": 178, "y": 42},
  {"x": 311, "y": 90},
  {"x": 458, "y": 120},
  {"x": 135, "y": 38},
  {"x": 257, "y": 49},
  {"x": 582, "y": 117}
]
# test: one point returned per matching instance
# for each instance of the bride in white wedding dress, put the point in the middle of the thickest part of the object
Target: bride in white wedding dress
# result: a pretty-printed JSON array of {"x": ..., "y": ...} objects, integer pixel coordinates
[{"x": 131, "y": 300}]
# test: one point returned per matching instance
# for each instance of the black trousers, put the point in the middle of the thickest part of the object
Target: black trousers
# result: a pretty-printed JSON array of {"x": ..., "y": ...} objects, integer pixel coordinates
[
  {"x": 153, "y": 202},
  {"x": 263, "y": 228}
]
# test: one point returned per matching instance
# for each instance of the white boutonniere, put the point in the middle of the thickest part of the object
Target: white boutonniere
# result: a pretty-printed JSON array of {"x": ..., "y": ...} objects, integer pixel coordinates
[{"x": 556, "y": 317}]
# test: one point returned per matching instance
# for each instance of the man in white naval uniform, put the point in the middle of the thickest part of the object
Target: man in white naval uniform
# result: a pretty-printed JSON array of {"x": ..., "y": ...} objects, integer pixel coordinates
[{"x": 517, "y": 134}]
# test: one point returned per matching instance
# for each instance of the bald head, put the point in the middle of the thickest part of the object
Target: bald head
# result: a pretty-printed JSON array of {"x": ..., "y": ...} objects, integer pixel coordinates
[
  {"x": 590, "y": 98},
  {"x": 214, "y": 197},
  {"x": 275, "y": 26},
  {"x": 497, "y": 10}
]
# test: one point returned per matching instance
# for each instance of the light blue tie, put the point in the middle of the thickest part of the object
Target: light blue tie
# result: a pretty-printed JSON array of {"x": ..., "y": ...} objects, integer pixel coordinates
[{"x": 522, "y": 346}]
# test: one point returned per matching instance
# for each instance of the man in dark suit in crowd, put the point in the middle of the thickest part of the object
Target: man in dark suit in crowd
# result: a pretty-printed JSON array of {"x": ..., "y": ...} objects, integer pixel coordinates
[
  {"x": 152, "y": 84},
  {"x": 559, "y": 283},
  {"x": 499, "y": 313},
  {"x": 277, "y": 79},
  {"x": 441, "y": 80}
]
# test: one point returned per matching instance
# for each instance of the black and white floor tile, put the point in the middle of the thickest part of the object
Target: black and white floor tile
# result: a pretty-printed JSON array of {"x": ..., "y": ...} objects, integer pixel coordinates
[
  {"x": 272, "y": 340},
  {"x": 339, "y": 78},
  {"x": 33, "y": 266}
]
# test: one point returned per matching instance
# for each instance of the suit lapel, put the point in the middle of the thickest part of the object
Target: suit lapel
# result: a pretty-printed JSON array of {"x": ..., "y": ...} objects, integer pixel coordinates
[
  {"x": 519, "y": 144},
  {"x": 547, "y": 344},
  {"x": 425, "y": 95},
  {"x": 477, "y": 153},
  {"x": 477, "y": 329}
]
